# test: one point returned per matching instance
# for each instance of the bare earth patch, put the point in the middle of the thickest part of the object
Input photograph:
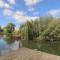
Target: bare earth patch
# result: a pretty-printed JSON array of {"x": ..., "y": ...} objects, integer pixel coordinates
[{"x": 29, "y": 54}]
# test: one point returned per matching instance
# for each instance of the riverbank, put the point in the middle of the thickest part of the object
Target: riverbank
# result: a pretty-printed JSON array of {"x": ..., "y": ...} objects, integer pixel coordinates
[{"x": 29, "y": 54}]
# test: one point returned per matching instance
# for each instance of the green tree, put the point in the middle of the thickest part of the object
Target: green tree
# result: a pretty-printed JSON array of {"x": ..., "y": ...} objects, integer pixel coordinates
[
  {"x": 1, "y": 31},
  {"x": 10, "y": 27}
]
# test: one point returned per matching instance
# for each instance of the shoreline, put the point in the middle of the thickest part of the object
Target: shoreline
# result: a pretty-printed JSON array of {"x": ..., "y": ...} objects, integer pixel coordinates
[{"x": 29, "y": 54}]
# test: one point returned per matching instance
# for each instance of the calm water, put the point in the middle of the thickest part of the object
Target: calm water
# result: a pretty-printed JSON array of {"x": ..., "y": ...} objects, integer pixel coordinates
[
  {"x": 49, "y": 47},
  {"x": 6, "y": 48}
]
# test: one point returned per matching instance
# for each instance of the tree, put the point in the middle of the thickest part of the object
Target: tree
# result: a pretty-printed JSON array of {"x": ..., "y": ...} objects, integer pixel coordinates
[
  {"x": 45, "y": 28},
  {"x": 10, "y": 27},
  {"x": 1, "y": 31}
]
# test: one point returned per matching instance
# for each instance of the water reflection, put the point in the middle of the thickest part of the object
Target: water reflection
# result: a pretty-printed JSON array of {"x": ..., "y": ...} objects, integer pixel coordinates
[{"x": 7, "y": 46}]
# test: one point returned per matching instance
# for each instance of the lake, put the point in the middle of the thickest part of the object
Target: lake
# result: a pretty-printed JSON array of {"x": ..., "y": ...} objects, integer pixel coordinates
[
  {"x": 50, "y": 47},
  {"x": 6, "y": 48}
]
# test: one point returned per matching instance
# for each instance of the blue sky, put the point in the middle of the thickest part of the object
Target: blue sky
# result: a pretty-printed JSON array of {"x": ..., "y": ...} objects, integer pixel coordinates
[{"x": 19, "y": 11}]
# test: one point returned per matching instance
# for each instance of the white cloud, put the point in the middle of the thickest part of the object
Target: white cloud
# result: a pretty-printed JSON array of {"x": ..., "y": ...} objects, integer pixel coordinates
[
  {"x": 31, "y": 2},
  {"x": 12, "y": 1},
  {"x": 19, "y": 16},
  {"x": 54, "y": 12},
  {"x": 19, "y": 13},
  {"x": 33, "y": 11},
  {"x": 33, "y": 18},
  {"x": 1, "y": 3},
  {"x": 6, "y": 8},
  {"x": 7, "y": 12},
  {"x": 7, "y": 5},
  {"x": 22, "y": 18},
  {"x": 4, "y": 5}
]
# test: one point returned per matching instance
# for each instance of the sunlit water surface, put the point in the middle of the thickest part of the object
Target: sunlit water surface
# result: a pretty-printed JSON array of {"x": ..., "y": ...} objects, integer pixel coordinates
[{"x": 6, "y": 48}]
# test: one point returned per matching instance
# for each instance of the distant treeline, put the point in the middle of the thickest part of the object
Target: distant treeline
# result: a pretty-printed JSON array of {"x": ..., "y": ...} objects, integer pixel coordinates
[{"x": 44, "y": 28}]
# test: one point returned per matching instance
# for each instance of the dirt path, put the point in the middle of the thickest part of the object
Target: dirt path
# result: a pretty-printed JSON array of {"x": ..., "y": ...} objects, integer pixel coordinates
[{"x": 28, "y": 54}]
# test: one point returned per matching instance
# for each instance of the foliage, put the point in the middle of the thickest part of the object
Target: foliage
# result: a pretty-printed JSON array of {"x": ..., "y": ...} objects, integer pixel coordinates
[
  {"x": 42, "y": 29},
  {"x": 1, "y": 31},
  {"x": 9, "y": 28}
]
